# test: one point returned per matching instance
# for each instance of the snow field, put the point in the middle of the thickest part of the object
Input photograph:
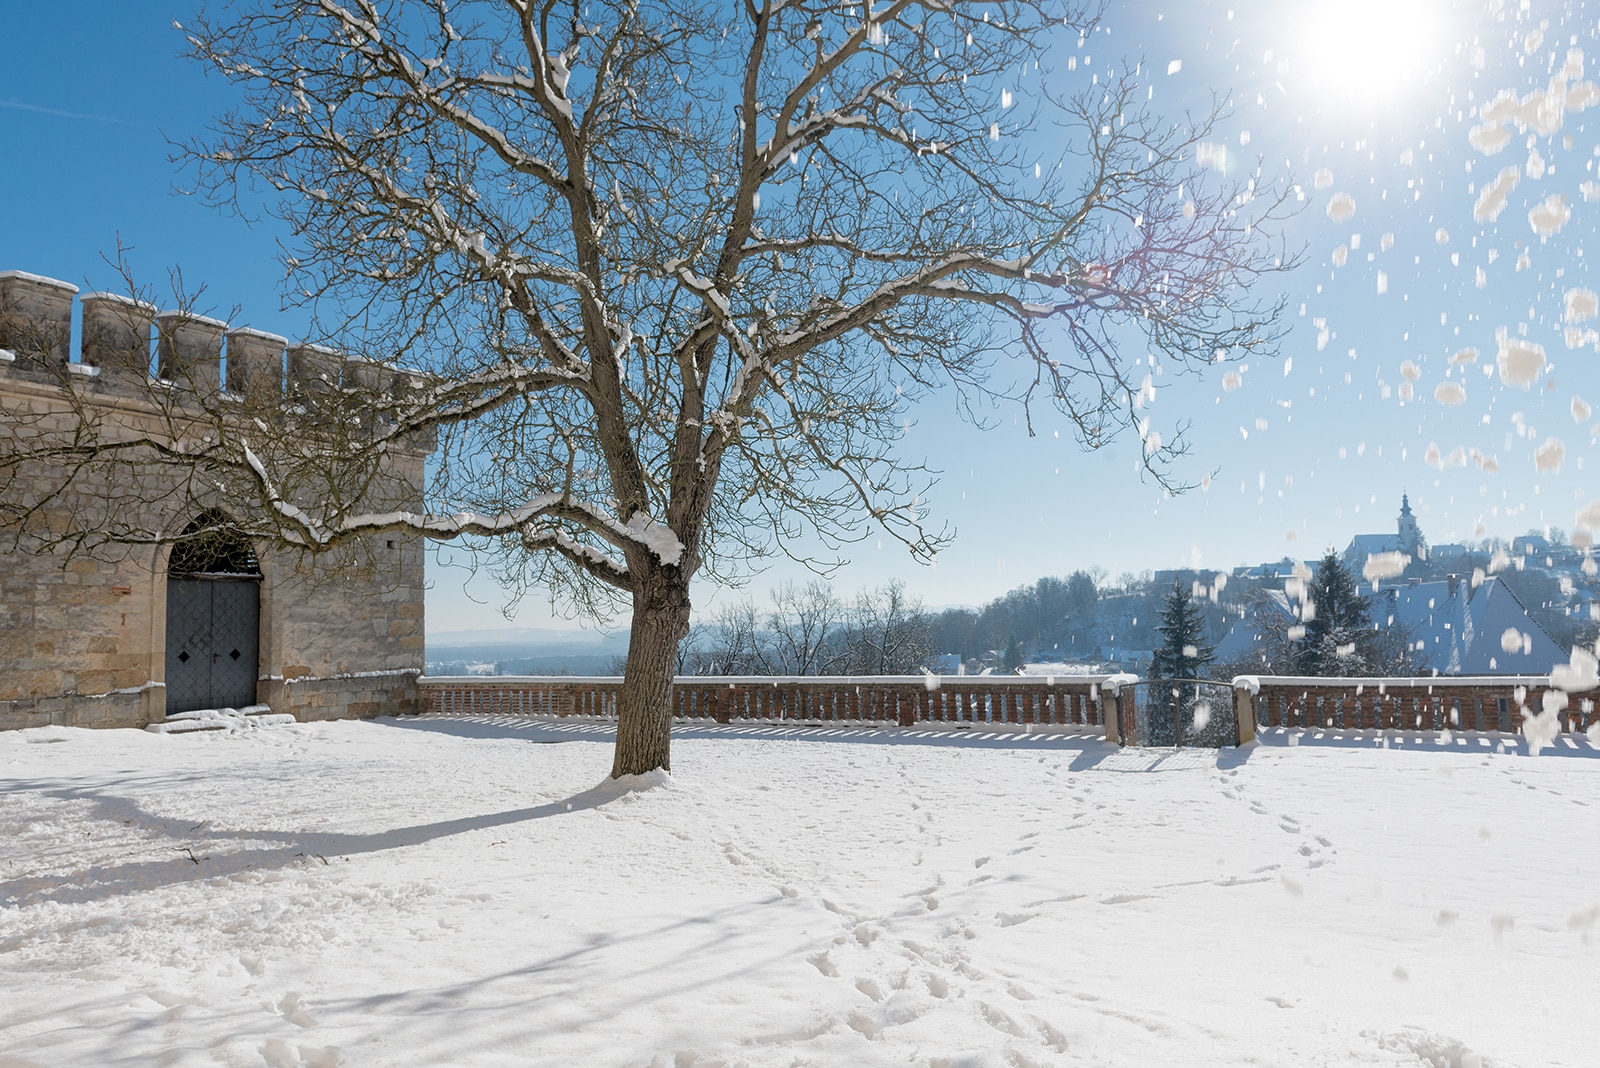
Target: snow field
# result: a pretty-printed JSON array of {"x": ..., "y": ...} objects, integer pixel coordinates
[{"x": 457, "y": 890}]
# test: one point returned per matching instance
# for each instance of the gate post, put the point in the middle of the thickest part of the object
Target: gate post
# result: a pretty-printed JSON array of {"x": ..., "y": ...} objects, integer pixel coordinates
[
  {"x": 1244, "y": 712},
  {"x": 1110, "y": 716}
]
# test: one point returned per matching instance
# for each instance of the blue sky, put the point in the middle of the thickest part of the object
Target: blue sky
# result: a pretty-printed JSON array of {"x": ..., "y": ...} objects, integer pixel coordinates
[{"x": 1306, "y": 451}]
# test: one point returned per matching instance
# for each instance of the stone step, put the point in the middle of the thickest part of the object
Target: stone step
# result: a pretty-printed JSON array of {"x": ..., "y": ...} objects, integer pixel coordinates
[{"x": 222, "y": 719}]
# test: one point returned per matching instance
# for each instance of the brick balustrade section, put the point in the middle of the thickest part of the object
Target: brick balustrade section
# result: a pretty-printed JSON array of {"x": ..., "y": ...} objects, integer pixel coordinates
[
  {"x": 1073, "y": 701},
  {"x": 1465, "y": 704},
  {"x": 1462, "y": 703}
]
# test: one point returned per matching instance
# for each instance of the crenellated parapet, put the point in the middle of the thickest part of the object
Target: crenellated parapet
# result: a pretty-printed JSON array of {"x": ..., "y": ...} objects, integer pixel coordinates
[{"x": 128, "y": 347}]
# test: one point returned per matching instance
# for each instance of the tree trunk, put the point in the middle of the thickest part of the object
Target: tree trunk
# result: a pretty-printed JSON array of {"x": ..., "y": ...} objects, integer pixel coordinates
[{"x": 644, "y": 707}]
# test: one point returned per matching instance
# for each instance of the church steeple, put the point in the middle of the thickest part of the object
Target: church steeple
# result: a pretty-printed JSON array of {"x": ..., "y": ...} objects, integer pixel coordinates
[{"x": 1410, "y": 534}]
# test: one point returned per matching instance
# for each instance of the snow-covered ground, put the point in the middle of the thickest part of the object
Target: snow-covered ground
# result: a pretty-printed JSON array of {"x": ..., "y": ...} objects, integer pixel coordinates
[{"x": 459, "y": 891}]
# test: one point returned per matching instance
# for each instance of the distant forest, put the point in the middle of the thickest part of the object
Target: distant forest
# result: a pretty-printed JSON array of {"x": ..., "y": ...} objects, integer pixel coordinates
[{"x": 1085, "y": 618}]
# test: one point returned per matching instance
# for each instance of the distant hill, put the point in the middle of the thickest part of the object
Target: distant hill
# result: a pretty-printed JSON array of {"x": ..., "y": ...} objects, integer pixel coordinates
[{"x": 524, "y": 651}]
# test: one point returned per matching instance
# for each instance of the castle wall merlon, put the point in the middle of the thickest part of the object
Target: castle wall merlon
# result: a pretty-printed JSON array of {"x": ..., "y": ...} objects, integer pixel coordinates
[
  {"x": 116, "y": 334},
  {"x": 409, "y": 384},
  {"x": 189, "y": 350},
  {"x": 370, "y": 380},
  {"x": 37, "y": 279},
  {"x": 36, "y": 320},
  {"x": 314, "y": 371},
  {"x": 255, "y": 364}
]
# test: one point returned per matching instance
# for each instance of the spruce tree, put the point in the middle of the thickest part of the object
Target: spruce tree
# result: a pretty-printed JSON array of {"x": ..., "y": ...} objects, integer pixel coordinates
[
  {"x": 1339, "y": 639},
  {"x": 1183, "y": 652}
]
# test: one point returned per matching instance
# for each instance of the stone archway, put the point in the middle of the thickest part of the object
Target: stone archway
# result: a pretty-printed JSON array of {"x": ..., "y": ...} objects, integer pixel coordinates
[{"x": 213, "y": 618}]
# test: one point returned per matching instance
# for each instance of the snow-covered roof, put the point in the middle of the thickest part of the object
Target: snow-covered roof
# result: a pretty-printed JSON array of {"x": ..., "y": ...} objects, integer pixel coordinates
[
  {"x": 1242, "y": 638},
  {"x": 1363, "y": 545},
  {"x": 1463, "y": 631},
  {"x": 1467, "y": 634}
]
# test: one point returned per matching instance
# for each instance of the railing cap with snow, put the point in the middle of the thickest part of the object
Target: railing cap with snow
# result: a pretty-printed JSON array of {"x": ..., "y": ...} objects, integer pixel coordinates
[
  {"x": 1254, "y": 683},
  {"x": 1107, "y": 681}
]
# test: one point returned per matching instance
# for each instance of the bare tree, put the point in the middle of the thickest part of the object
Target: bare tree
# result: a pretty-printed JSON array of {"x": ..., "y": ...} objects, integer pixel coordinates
[
  {"x": 887, "y": 632},
  {"x": 801, "y": 621},
  {"x": 736, "y": 645},
  {"x": 677, "y": 270}
]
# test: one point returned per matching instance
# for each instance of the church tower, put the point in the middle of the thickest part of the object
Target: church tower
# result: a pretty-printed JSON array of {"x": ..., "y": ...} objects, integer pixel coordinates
[{"x": 1410, "y": 535}]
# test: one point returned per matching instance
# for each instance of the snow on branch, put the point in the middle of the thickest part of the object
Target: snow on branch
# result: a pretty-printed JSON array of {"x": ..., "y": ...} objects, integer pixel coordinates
[{"x": 641, "y": 531}]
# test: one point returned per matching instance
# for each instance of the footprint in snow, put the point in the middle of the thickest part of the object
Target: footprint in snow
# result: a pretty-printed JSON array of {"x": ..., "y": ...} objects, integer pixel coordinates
[
  {"x": 290, "y": 1009},
  {"x": 1052, "y": 1037},
  {"x": 870, "y": 988},
  {"x": 1000, "y": 1021},
  {"x": 1123, "y": 899}
]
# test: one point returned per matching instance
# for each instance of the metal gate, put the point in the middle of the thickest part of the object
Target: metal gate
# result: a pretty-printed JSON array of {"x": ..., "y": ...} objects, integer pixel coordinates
[
  {"x": 1182, "y": 712},
  {"x": 213, "y": 627}
]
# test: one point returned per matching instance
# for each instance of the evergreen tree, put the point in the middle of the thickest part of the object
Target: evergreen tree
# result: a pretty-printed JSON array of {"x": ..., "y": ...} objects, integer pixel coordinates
[
  {"x": 1013, "y": 655},
  {"x": 1339, "y": 638},
  {"x": 1183, "y": 652}
]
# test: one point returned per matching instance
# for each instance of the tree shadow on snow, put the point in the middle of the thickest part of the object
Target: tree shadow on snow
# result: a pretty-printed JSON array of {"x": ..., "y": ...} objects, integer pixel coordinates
[
  {"x": 206, "y": 852},
  {"x": 542, "y": 729},
  {"x": 1470, "y": 743}
]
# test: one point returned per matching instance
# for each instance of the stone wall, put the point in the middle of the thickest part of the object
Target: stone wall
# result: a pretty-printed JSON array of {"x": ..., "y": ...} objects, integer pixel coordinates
[{"x": 83, "y": 635}]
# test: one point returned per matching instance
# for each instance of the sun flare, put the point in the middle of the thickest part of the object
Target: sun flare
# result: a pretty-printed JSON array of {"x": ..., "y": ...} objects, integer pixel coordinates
[{"x": 1370, "y": 50}]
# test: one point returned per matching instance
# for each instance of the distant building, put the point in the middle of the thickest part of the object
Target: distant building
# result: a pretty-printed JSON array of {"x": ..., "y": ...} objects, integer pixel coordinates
[
  {"x": 1407, "y": 539},
  {"x": 1465, "y": 631},
  {"x": 1455, "y": 629},
  {"x": 1280, "y": 569},
  {"x": 1531, "y": 545}
]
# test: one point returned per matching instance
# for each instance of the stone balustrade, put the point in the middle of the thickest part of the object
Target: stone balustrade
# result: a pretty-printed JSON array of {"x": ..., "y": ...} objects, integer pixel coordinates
[
  {"x": 1483, "y": 703},
  {"x": 1463, "y": 705},
  {"x": 905, "y": 700}
]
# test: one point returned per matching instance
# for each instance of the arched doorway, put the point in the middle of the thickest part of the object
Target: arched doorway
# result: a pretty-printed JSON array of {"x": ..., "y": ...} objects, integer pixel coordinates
[{"x": 213, "y": 618}]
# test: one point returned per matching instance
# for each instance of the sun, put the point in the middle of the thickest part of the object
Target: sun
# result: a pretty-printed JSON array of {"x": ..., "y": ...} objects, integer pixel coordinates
[{"x": 1369, "y": 50}]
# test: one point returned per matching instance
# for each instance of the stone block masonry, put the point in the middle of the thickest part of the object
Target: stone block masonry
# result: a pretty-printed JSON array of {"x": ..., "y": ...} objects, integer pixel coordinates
[{"x": 84, "y": 637}]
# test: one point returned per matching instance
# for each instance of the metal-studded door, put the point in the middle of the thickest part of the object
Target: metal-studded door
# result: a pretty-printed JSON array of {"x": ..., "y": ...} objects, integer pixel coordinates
[{"x": 213, "y": 627}]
